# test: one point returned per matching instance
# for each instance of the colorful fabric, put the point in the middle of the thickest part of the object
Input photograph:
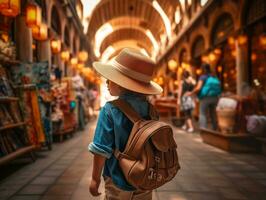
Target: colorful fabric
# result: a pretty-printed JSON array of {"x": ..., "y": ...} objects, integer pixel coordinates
[{"x": 37, "y": 117}]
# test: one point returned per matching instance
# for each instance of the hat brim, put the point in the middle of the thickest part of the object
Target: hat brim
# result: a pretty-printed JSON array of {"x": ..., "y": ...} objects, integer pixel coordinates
[{"x": 114, "y": 75}]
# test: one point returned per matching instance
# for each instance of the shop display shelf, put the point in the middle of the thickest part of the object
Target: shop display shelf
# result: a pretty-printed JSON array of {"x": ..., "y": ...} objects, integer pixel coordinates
[
  {"x": 235, "y": 142},
  {"x": 26, "y": 86},
  {"x": 12, "y": 126},
  {"x": 15, "y": 154},
  {"x": 8, "y": 60},
  {"x": 7, "y": 99}
]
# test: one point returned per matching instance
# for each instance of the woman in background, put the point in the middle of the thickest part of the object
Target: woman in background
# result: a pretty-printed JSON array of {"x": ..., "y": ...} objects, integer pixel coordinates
[{"x": 186, "y": 103}]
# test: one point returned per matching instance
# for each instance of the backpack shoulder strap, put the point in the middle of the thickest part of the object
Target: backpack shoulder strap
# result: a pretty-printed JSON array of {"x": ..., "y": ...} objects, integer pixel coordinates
[
  {"x": 127, "y": 109},
  {"x": 154, "y": 115}
]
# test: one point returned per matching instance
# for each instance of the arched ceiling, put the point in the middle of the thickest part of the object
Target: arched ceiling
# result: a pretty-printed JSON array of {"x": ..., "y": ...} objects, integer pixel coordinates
[
  {"x": 136, "y": 20},
  {"x": 127, "y": 33}
]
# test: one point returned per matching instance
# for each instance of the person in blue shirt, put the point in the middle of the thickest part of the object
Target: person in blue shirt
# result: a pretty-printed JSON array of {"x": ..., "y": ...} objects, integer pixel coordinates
[
  {"x": 208, "y": 103},
  {"x": 128, "y": 77}
]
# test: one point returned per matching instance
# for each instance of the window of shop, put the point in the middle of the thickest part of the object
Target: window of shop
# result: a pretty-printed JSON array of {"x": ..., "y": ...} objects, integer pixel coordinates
[
  {"x": 197, "y": 51},
  {"x": 56, "y": 26},
  {"x": 225, "y": 63},
  {"x": 34, "y": 50},
  {"x": 7, "y": 37},
  {"x": 66, "y": 37},
  {"x": 256, "y": 17},
  {"x": 258, "y": 55}
]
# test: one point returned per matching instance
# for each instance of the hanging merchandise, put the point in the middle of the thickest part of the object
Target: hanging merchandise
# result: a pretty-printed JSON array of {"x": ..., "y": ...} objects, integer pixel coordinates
[
  {"x": 64, "y": 111},
  {"x": 37, "y": 97}
]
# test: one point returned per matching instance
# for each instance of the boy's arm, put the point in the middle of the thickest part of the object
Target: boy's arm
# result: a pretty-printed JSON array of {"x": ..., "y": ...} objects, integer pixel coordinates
[{"x": 98, "y": 163}]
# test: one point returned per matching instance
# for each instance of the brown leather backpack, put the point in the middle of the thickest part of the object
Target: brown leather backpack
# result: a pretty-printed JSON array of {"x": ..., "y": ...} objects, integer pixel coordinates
[{"x": 149, "y": 159}]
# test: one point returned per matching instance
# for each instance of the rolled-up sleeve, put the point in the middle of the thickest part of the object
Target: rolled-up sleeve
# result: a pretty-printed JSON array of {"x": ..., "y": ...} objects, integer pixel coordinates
[{"x": 103, "y": 141}]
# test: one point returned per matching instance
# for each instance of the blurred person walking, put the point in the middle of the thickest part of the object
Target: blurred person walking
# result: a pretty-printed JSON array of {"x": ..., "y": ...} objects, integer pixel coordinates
[
  {"x": 208, "y": 90},
  {"x": 186, "y": 103}
]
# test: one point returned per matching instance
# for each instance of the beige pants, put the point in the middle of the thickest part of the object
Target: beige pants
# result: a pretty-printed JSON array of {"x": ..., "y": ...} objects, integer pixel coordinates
[{"x": 114, "y": 193}]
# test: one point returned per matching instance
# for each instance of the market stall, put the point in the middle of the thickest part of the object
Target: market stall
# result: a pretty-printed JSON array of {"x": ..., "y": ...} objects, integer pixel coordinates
[{"x": 64, "y": 108}]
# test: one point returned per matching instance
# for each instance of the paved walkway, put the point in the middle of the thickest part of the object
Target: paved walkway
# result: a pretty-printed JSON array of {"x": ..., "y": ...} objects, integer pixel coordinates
[{"x": 207, "y": 173}]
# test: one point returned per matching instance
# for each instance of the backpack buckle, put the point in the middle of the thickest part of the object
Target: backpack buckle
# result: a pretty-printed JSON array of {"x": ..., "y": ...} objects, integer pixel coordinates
[
  {"x": 154, "y": 175},
  {"x": 151, "y": 174}
]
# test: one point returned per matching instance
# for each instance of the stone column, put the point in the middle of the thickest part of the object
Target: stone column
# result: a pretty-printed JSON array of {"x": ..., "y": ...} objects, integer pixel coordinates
[
  {"x": 23, "y": 40},
  {"x": 241, "y": 66},
  {"x": 44, "y": 51}
]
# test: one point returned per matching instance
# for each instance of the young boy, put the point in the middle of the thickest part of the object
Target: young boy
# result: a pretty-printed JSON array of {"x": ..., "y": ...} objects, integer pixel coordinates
[{"x": 129, "y": 77}]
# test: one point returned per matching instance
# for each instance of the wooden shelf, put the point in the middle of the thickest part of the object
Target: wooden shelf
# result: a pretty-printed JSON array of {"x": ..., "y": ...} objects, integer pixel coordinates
[
  {"x": 26, "y": 86},
  {"x": 12, "y": 126},
  {"x": 238, "y": 142},
  {"x": 7, "y": 99},
  {"x": 16, "y": 154},
  {"x": 10, "y": 61}
]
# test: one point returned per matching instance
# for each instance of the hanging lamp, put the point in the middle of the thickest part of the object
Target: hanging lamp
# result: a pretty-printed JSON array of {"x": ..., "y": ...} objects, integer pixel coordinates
[
  {"x": 40, "y": 32},
  {"x": 83, "y": 56},
  {"x": 55, "y": 46},
  {"x": 10, "y": 8},
  {"x": 33, "y": 15}
]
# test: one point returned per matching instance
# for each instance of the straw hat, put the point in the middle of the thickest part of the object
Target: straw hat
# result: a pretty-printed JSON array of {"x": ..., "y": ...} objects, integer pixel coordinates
[{"x": 131, "y": 70}]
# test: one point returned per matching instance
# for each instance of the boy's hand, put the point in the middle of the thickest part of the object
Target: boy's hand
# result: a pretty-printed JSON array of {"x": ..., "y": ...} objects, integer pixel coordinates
[{"x": 94, "y": 186}]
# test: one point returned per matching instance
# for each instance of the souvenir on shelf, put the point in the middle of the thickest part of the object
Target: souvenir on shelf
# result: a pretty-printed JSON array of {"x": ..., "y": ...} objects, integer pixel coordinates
[
  {"x": 14, "y": 140},
  {"x": 63, "y": 102}
]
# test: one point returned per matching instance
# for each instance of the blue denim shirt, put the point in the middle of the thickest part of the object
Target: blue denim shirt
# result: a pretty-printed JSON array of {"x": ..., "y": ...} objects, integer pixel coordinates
[{"x": 112, "y": 131}]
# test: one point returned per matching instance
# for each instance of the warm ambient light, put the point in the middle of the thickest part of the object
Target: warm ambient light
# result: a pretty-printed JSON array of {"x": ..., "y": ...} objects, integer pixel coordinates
[
  {"x": 242, "y": 39},
  {"x": 231, "y": 41},
  {"x": 212, "y": 57},
  {"x": 198, "y": 72},
  {"x": 40, "y": 32},
  {"x": 263, "y": 39},
  {"x": 55, "y": 46},
  {"x": 172, "y": 65},
  {"x": 219, "y": 69},
  {"x": 10, "y": 8},
  {"x": 74, "y": 61},
  {"x": 80, "y": 66},
  {"x": 83, "y": 56},
  {"x": 33, "y": 15},
  {"x": 65, "y": 55}
]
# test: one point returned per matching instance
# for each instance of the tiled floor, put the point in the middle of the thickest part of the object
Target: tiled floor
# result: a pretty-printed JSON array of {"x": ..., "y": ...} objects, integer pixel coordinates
[{"x": 206, "y": 173}]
